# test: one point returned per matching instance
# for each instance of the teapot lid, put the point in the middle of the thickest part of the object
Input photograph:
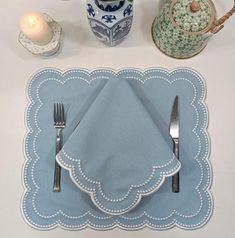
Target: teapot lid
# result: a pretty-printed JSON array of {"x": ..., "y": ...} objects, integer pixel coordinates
[{"x": 193, "y": 16}]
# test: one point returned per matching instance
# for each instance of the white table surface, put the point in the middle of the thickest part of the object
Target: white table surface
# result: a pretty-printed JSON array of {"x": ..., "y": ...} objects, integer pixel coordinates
[{"x": 80, "y": 49}]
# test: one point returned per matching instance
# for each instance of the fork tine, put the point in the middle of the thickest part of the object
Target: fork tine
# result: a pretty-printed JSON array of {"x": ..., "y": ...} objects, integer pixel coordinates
[
  {"x": 54, "y": 113},
  {"x": 58, "y": 113},
  {"x": 62, "y": 112}
]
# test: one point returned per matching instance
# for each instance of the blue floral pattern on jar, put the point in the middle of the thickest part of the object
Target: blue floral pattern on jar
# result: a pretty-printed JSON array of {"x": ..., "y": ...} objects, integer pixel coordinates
[
  {"x": 109, "y": 18},
  {"x": 110, "y": 21}
]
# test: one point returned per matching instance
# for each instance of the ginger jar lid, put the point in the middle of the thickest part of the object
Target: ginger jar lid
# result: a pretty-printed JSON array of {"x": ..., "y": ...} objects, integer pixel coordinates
[{"x": 193, "y": 16}]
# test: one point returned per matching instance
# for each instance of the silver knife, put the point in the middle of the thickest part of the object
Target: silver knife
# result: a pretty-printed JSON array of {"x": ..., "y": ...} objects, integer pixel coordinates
[{"x": 174, "y": 132}]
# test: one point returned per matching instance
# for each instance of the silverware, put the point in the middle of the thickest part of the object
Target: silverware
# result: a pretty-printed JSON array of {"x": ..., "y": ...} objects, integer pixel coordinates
[
  {"x": 174, "y": 132},
  {"x": 59, "y": 124}
]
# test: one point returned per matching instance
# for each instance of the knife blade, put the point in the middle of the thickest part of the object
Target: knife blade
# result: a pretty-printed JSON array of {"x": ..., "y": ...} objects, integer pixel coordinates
[{"x": 174, "y": 132}]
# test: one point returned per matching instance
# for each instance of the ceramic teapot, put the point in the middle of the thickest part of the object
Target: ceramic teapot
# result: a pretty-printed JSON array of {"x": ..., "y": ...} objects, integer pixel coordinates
[{"x": 183, "y": 27}]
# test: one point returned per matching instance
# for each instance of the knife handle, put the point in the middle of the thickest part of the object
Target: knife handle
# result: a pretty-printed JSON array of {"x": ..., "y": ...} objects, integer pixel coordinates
[{"x": 176, "y": 177}]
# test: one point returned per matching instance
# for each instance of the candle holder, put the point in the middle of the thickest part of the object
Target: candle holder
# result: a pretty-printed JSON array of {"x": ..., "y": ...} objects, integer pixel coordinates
[{"x": 44, "y": 50}]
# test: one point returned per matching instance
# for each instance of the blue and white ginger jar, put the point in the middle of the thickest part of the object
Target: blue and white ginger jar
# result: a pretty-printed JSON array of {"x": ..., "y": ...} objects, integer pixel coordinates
[{"x": 110, "y": 20}]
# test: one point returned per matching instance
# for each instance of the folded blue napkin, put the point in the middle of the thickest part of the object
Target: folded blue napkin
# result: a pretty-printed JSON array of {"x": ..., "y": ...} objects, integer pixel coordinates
[
  {"x": 117, "y": 153},
  {"x": 80, "y": 90}
]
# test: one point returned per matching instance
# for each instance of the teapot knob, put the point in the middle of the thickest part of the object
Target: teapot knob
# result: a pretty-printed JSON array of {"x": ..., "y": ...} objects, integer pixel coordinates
[{"x": 195, "y": 6}]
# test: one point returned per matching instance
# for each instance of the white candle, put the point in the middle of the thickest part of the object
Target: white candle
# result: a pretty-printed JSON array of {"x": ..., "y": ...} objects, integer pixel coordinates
[{"x": 34, "y": 26}]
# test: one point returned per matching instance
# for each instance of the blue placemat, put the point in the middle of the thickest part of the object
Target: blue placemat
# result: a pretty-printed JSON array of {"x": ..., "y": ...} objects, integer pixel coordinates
[{"x": 78, "y": 89}]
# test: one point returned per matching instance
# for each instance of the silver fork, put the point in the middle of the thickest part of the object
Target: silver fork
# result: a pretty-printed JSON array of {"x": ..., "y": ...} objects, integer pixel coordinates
[{"x": 59, "y": 124}]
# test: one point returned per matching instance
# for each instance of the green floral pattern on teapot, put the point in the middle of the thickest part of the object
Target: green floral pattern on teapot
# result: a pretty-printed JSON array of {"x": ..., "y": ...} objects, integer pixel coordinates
[
  {"x": 190, "y": 21},
  {"x": 177, "y": 33}
]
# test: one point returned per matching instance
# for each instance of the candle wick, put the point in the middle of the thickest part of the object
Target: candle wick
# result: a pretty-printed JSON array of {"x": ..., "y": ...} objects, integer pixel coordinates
[{"x": 32, "y": 22}]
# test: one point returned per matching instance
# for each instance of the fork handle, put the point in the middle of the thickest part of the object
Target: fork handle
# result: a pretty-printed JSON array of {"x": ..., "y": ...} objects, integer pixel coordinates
[
  {"x": 57, "y": 171},
  {"x": 176, "y": 177}
]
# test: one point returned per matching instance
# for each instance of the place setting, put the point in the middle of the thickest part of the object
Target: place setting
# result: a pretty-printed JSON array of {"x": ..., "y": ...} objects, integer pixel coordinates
[
  {"x": 133, "y": 150},
  {"x": 128, "y": 148}
]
